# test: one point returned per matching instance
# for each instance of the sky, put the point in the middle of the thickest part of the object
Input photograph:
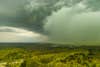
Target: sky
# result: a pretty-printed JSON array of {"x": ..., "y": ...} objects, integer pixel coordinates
[
  {"x": 78, "y": 23},
  {"x": 12, "y": 34},
  {"x": 12, "y": 12},
  {"x": 49, "y": 20}
]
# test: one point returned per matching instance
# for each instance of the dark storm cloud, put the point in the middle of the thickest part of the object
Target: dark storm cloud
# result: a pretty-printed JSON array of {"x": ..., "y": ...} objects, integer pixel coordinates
[
  {"x": 74, "y": 24},
  {"x": 32, "y": 14},
  {"x": 12, "y": 12}
]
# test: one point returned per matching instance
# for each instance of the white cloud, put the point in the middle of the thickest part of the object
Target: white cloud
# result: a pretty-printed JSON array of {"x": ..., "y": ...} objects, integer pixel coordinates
[{"x": 12, "y": 34}]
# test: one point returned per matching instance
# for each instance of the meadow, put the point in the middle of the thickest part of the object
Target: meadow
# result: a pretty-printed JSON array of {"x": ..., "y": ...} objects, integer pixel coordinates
[{"x": 83, "y": 56}]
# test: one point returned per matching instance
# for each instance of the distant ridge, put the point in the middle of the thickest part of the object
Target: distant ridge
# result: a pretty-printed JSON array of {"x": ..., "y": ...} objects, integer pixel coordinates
[{"x": 46, "y": 45}]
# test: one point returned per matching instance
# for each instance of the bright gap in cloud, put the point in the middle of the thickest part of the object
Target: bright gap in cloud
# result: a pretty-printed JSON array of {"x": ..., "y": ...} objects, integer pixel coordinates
[{"x": 12, "y": 34}]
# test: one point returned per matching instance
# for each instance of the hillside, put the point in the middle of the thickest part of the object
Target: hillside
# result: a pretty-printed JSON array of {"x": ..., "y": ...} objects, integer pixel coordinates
[{"x": 84, "y": 56}]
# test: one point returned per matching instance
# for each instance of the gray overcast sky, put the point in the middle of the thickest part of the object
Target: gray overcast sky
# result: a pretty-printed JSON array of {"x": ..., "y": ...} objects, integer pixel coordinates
[{"x": 10, "y": 8}]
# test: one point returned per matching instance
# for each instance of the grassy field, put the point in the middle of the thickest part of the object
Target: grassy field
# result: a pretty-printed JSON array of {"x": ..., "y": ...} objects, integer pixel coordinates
[{"x": 83, "y": 56}]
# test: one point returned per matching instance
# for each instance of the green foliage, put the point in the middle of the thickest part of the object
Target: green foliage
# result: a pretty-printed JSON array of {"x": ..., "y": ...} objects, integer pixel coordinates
[{"x": 19, "y": 57}]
